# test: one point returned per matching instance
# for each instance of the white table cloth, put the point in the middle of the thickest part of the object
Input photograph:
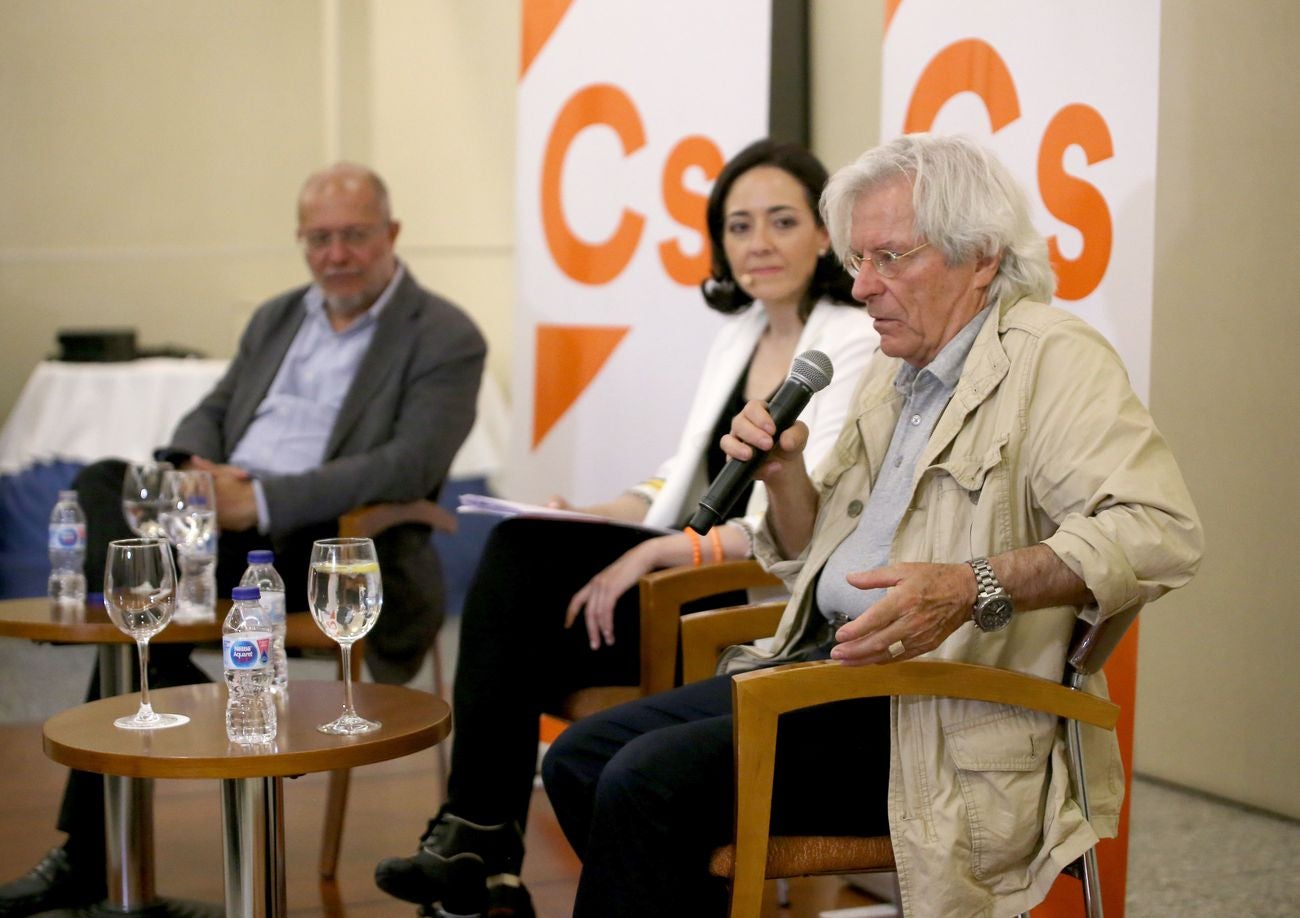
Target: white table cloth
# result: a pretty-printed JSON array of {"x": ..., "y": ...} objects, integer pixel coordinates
[{"x": 82, "y": 412}]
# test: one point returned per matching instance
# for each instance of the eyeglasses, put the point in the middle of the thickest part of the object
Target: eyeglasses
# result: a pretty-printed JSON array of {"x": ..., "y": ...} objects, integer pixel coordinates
[
  {"x": 884, "y": 261},
  {"x": 353, "y": 237}
]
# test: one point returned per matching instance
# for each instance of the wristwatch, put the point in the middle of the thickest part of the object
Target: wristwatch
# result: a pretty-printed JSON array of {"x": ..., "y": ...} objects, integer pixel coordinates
[{"x": 993, "y": 607}]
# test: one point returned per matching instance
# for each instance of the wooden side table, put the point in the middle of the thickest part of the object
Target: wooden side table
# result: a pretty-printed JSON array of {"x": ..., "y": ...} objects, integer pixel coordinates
[
  {"x": 251, "y": 776},
  {"x": 128, "y": 802}
]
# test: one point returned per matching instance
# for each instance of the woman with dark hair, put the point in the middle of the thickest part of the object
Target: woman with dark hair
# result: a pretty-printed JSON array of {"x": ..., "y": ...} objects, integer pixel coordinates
[
  {"x": 522, "y": 646},
  {"x": 829, "y": 279}
]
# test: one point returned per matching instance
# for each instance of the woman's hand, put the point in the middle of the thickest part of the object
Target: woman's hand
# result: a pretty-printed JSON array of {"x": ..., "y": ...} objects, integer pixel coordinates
[{"x": 597, "y": 599}]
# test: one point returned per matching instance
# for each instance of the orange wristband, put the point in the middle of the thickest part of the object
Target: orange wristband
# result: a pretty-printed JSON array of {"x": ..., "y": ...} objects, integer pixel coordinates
[
  {"x": 696, "y": 555},
  {"x": 715, "y": 540}
]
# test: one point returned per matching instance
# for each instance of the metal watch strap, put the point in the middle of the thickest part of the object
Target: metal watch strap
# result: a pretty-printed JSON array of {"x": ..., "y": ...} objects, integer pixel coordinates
[{"x": 986, "y": 582}]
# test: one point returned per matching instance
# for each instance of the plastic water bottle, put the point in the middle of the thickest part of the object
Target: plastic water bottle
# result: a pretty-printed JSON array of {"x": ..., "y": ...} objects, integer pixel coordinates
[
  {"x": 262, "y": 575},
  {"x": 246, "y": 657},
  {"x": 196, "y": 561},
  {"x": 68, "y": 550}
]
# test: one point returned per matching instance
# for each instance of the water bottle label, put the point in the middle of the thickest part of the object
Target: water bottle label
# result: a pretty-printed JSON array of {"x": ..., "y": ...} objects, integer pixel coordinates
[
  {"x": 67, "y": 535},
  {"x": 246, "y": 650}
]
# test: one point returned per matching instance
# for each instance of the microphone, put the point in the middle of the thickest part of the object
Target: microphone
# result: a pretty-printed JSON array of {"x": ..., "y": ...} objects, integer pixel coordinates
[{"x": 811, "y": 372}]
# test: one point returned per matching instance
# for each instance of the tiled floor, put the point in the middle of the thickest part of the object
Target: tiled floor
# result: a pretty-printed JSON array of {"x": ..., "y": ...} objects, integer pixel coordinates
[
  {"x": 1192, "y": 856},
  {"x": 1189, "y": 855}
]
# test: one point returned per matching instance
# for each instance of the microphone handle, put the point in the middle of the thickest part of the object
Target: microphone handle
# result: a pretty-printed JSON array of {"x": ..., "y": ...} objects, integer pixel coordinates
[
  {"x": 785, "y": 406},
  {"x": 723, "y": 492}
]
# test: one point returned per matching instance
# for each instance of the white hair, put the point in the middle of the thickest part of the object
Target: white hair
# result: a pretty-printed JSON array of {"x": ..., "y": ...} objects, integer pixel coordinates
[{"x": 967, "y": 205}]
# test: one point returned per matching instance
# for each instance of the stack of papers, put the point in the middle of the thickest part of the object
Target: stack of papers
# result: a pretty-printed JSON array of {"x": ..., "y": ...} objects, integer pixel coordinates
[{"x": 496, "y": 506}]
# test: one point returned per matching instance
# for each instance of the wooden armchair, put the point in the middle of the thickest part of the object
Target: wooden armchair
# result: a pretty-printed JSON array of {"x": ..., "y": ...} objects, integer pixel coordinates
[
  {"x": 760, "y": 697},
  {"x": 663, "y": 593},
  {"x": 301, "y": 632}
]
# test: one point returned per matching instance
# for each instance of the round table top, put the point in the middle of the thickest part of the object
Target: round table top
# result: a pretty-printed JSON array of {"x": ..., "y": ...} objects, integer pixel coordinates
[
  {"x": 84, "y": 737},
  {"x": 39, "y": 619}
]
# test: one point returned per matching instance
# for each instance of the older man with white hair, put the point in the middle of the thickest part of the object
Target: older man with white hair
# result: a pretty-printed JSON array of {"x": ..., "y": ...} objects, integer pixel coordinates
[{"x": 998, "y": 479}]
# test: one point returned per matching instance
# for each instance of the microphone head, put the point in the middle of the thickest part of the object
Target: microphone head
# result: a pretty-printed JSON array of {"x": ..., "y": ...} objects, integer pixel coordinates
[{"x": 813, "y": 369}]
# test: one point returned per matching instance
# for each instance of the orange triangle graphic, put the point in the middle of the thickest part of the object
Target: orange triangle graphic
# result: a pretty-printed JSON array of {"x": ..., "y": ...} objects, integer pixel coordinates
[
  {"x": 567, "y": 360},
  {"x": 891, "y": 7},
  {"x": 540, "y": 19}
]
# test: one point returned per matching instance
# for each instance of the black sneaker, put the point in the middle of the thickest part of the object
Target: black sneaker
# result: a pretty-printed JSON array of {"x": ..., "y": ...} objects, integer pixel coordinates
[
  {"x": 51, "y": 884},
  {"x": 509, "y": 900},
  {"x": 456, "y": 863},
  {"x": 504, "y": 900}
]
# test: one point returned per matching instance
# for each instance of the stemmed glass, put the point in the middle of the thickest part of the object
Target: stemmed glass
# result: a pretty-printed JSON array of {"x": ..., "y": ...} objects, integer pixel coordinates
[
  {"x": 189, "y": 518},
  {"x": 140, "y": 594},
  {"x": 142, "y": 497},
  {"x": 345, "y": 593}
]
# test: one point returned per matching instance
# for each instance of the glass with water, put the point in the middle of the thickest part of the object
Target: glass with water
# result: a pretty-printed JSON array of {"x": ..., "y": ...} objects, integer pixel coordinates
[
  {"x": 142, "y": 499},
  {"x": 346, "y": 593},
  {"x": 140, "y": 596},
  {"x": 189, "y": 518}
]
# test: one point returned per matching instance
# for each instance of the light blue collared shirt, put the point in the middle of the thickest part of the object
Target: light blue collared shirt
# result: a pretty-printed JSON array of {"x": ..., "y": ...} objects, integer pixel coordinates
[
  {"x": 292, "y": 425},
  {"x": 927, "y": 392}
]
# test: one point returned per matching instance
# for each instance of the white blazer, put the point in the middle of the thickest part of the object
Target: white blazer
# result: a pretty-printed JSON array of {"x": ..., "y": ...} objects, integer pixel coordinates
[{"x": 843, "y": 333}]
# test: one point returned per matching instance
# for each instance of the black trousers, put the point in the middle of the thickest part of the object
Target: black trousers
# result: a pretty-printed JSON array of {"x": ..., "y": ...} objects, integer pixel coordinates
[
  {"x": 645, "y": 792},
  {"x": 516, "y": 659}
]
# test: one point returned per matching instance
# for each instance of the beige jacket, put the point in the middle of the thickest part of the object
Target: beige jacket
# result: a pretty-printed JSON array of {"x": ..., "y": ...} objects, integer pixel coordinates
[{"x": 1043, "y": 441}]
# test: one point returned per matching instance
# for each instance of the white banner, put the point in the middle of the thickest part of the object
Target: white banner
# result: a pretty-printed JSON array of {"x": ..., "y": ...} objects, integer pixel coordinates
[
  {"x": 1066, "y": 94},
  {"x": 627, "y": 111}
]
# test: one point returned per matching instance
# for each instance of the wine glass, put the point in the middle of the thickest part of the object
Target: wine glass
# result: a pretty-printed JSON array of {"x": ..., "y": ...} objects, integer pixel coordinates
[
  {"x": 189, "y": 509},
  {"x": 345, "y": 593},
  {"x": 189, "y": 518},
  {"x": 142, "y": 497},
  {"x": 140, "y": 594}
]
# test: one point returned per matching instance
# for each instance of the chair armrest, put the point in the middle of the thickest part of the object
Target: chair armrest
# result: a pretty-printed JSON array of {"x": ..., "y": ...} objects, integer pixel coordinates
[
  {"x": 760, "y": 697},
  {"x": 706, "y": 634},
  {"x": 780, "y": 689},
  {"x": 663, "y": 593},
  {"x": 369, "y": 521}
]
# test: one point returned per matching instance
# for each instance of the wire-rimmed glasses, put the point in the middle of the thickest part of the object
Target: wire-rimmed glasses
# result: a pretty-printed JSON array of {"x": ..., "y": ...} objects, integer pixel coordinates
[
  {"x": 345, "y": 593},
  {"x": 140, "y": 596},
  {"x": 886, "y": 263}
]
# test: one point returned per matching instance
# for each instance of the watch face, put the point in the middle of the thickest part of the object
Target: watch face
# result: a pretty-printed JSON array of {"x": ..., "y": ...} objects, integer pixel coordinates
[{"x": 993, "y": 613}]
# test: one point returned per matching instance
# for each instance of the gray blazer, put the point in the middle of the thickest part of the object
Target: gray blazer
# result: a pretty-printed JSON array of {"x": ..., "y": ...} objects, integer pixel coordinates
[{"x": 407, "y": 412}]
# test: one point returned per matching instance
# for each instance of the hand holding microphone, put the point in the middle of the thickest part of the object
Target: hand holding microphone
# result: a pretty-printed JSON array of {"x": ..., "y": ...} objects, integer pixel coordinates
[{"x": 811, "y": 372}]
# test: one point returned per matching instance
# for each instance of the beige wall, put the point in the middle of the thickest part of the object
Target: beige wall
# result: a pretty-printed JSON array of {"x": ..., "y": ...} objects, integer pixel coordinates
[
  {"x": 1216, "y": 693},
  {"x": 153, "y": 150}
]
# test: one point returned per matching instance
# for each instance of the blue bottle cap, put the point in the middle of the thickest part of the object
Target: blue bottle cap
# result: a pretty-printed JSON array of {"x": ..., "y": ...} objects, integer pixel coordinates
[
  {"x": 245, "y": 593},
  {"x": 261, "y": 556}
]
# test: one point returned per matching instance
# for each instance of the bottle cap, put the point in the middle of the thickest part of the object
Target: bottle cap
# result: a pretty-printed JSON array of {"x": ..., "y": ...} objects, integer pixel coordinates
[
  {"x": 245, "y": 593},
  {"x": 261, "y": 556}
]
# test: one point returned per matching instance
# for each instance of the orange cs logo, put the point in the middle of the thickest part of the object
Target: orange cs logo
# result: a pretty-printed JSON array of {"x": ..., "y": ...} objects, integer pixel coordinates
[
  {"x": 974, "y": 66},
  {"x": 601, "y": 262}
]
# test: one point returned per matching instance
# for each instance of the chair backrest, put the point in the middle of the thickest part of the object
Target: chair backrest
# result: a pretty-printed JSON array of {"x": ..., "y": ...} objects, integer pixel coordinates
[
  {"x": 1092, "y": 644},
  {"x": 369, "y": 521},
  {"x": 662, "y": 595}
]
